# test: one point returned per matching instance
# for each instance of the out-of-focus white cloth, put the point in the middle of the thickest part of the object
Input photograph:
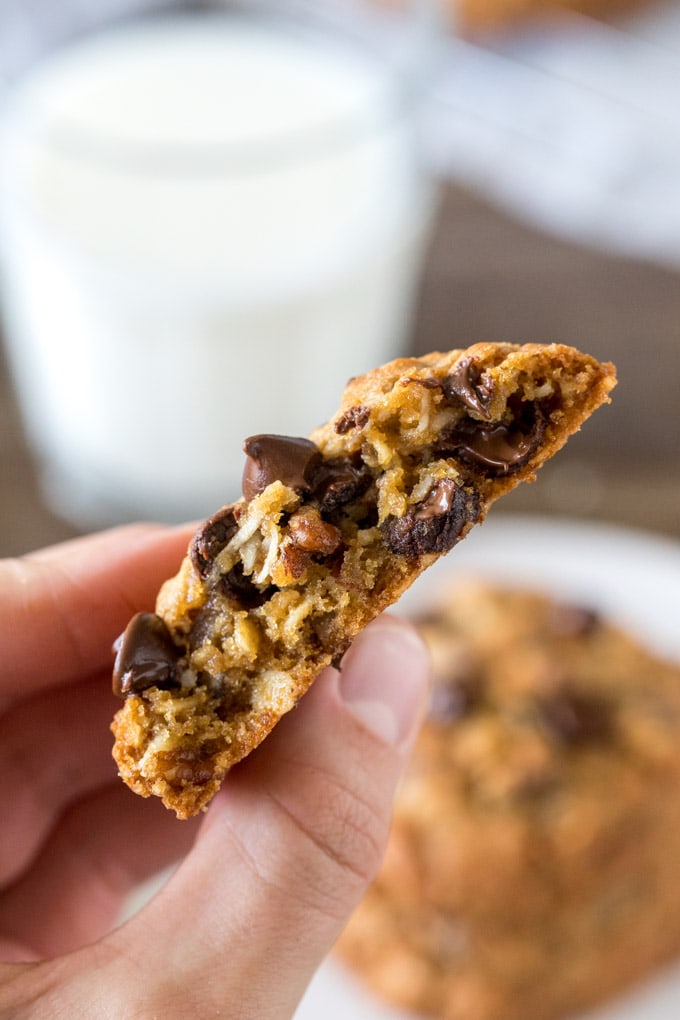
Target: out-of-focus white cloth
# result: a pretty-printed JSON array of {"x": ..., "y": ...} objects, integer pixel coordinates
[
  {"x": 576, "y": 128},
  {"x": 29, "y": 28}
]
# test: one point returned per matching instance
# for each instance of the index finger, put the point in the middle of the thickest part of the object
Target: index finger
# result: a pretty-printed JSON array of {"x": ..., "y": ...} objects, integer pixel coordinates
[{"x": 61, "y": 608}]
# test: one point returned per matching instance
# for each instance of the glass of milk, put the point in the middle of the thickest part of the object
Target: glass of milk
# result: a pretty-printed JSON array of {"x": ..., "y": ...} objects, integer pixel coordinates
[{"x": 209, "y": 222}]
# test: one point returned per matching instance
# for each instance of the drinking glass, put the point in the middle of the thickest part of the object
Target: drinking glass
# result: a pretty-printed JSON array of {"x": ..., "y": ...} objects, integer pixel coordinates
[{"x": 210, "y": 218}]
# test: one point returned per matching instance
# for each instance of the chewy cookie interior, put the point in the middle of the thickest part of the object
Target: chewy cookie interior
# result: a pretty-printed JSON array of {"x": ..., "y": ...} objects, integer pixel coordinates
[{"x": 329, "y": 531}]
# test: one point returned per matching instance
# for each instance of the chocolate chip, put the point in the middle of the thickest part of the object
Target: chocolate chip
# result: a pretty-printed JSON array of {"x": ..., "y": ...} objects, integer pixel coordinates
[
  {"x": 499, "y": 449},
  {"x": 466, "y": 385},
  {"x": 211, "y": 538},
  {"x": 435, "y": 524},
  {"x": 145, "y": 656},
  {"x": 338, "y": 481},
  {"x": 240, "y": 588},
  {"x": 286, "y": 459},
  {"x": 576, "y": 718},
  {"x": 354, "y": 418},
  {"x": 438, "y": 500},
  {"x": 453, "y": 699},
  {"x": 458, "y": 686},
  {"x": 573, "y": 621}
]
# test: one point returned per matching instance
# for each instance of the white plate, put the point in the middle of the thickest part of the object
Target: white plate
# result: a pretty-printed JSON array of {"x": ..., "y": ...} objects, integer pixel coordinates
[{"x": 631, "y": 576}]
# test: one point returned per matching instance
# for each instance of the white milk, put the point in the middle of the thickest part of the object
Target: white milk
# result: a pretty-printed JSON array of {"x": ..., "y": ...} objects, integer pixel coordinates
[{"x": 209, "y": 226}]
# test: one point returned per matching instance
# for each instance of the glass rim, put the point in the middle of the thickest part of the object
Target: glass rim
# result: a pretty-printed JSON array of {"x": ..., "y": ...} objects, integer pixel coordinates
[{"x": 204, "y": 160}]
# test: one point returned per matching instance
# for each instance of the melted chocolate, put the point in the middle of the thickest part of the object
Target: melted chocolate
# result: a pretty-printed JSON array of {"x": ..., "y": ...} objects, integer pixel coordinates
[
  {"x": 435, "y": 524},
  {"x": 211, "y": 539},
  {"x": 286, "y": 459},
  {"x": 465, "y": 384},
  {"x": 338, "y": 481},
  {"x": 145, "y": 656},
  {"x": 238, "y": 587},
  {"x": 575, "y": 718},
  {"x": 207, "y": 544},
  {"x": 498, "y": 449},
  {"x": 438, "y": 501}
]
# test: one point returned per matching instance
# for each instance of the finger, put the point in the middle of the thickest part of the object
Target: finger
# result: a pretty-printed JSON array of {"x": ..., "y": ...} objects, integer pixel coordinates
[
  {"x": 54, "y": 748},
  {"x": 60, "y": 609},
  {"x": 102, "y": 849},
  {"x": 289, "y": 844}
]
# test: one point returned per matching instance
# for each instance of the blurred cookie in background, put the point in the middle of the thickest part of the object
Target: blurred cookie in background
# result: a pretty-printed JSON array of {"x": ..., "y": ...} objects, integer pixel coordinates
[
  {"x": 532, "y": 864},
  {"x": 478, "y": 15}
]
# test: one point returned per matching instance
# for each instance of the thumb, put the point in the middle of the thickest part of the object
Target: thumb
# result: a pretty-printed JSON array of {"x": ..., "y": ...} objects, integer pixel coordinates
[{"x": 287, "y": 849}]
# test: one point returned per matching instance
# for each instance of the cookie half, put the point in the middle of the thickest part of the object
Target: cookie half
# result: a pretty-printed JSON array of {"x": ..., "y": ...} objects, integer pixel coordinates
[{"x": 329, "y": 532}]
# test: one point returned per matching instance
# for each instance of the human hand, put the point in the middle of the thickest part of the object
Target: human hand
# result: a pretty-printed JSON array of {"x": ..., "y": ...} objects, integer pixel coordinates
[{"x": 272, "y": 871}]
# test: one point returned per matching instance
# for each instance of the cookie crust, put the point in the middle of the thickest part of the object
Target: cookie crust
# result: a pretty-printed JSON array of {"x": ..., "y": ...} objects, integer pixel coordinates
[{"x": 333, "y": 530}]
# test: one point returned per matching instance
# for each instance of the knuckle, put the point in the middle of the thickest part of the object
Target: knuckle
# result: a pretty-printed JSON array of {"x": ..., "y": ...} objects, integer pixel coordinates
[{"x": 343, "y": 836}]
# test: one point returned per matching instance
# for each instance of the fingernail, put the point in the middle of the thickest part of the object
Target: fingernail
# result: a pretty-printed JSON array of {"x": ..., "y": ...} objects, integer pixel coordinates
[{"x": 384, "y": 679}]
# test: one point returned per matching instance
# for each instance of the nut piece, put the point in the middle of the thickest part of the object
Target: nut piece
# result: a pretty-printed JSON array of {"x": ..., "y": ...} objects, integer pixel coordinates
[
  {"x": 308, "y": 537},
  {"x": 308, "y": 531}
]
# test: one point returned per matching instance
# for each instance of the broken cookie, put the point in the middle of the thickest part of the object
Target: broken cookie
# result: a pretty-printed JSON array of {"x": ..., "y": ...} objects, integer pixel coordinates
[{"x": 329, "y": 532}]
